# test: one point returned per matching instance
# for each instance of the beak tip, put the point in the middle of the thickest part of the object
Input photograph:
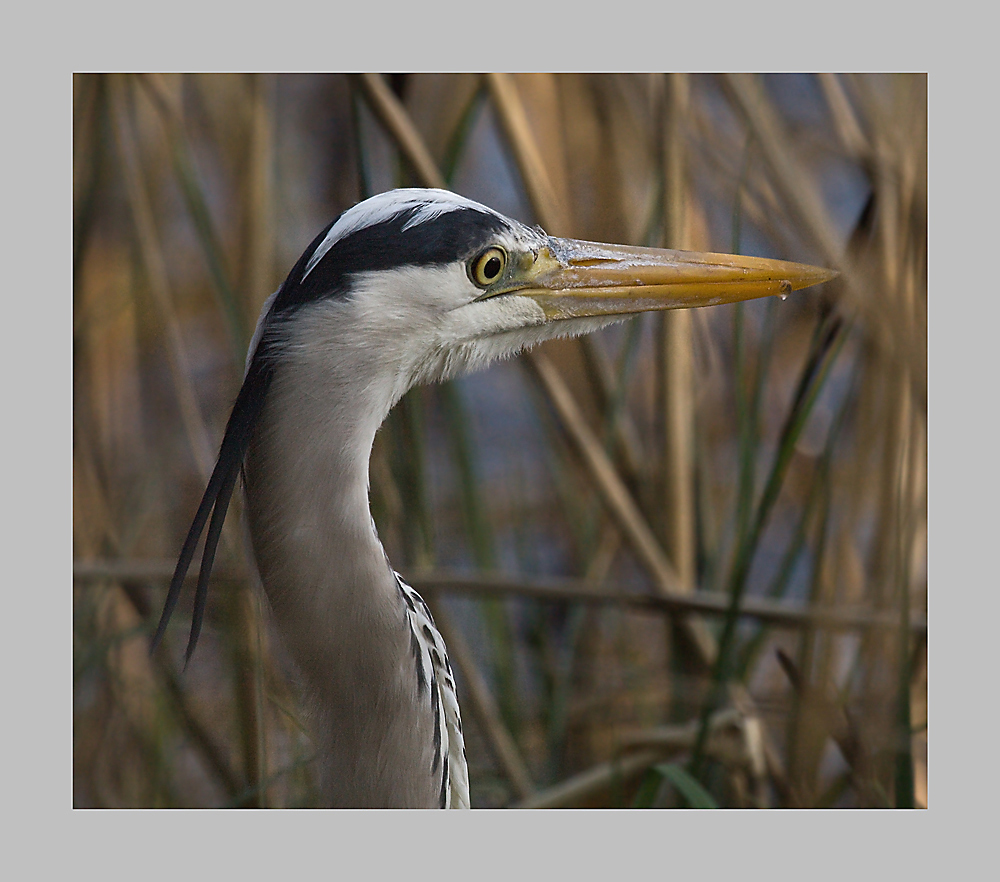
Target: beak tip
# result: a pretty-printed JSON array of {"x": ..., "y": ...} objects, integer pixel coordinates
[{"x": 814, "y": 275}]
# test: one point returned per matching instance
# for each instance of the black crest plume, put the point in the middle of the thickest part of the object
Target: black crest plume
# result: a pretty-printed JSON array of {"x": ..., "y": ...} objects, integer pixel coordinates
[
  {"x": 219, "y": 492},
  {"x": 216, "y": 499}
]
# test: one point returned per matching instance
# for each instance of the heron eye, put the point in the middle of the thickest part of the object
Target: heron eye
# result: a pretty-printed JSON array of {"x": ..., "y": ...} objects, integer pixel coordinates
[{"x": 488, "y": 266}]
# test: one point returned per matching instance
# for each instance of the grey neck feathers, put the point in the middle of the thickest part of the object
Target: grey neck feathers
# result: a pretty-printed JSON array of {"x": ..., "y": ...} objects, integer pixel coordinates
[{"x": 333, "y": 593}]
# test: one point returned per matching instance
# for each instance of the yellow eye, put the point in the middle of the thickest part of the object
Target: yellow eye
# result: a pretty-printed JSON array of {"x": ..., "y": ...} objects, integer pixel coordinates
[{"x": 488, "y": 266}]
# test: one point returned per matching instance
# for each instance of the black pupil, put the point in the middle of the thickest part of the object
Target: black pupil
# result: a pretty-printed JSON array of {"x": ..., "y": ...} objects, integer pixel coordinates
[{"x": 491, "y": 268}]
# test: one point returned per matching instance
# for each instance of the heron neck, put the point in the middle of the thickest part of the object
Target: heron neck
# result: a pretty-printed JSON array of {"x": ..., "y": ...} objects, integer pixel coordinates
[
  {"x": 335, "y": 599},
  {"x": 317, "y": 551}
]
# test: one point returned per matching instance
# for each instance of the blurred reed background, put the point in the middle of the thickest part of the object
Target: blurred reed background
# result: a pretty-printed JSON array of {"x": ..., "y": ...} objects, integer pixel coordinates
[{"x": 681, "y": 562}]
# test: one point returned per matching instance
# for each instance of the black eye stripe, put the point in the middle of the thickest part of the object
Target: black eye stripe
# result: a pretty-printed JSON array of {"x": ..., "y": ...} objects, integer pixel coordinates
[{"x": 386, "y": 245}]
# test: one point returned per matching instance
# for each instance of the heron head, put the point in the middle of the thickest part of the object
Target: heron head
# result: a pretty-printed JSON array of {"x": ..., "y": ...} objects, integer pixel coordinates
[{"x": 425, "y": 284}]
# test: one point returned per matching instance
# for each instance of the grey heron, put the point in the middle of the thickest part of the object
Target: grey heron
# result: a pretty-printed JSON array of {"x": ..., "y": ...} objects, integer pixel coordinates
[{"x": 410, "y": 286}]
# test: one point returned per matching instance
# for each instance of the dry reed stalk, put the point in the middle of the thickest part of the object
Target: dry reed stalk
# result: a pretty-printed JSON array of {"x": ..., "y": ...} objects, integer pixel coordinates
[
  {"x": 261, "y": 232},
  {"x": 438, "y": 105},
  {"x": 619, "y": 501},
  {"x": 638, "y": 752},
  {"x": 546, "y": 200},
  {"x": 676, "y": 355},
  {"x": 591, "y": 590},
  {"x": 249, "y": 643},
  {"x": 158, "y": 277},
  {"x": 484, "y": 707},
  {"x": 797, "y": 189},
  {"x": 391, "y": 113},
  {"x": 593, "y": 782},
  {"x": 852, "y": 137},
  {"x": 627, "y": 443}
]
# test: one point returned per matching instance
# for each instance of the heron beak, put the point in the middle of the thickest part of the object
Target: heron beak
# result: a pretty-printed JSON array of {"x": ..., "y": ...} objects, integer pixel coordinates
[{"x": 573, "y": 279}]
